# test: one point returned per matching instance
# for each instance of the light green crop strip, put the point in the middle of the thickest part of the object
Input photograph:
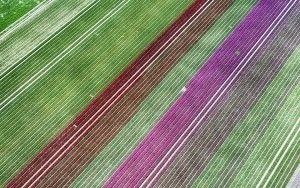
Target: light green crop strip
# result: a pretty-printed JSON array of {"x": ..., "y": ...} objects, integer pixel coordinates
[{"x": 12, "y": 10}]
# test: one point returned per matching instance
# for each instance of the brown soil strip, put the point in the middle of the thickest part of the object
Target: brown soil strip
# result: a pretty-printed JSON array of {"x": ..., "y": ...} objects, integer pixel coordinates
[{"x": 110, "y": 125}]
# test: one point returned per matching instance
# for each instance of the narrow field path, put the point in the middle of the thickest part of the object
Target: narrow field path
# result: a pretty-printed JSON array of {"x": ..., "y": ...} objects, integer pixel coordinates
[{"x": 294, "y": 181}]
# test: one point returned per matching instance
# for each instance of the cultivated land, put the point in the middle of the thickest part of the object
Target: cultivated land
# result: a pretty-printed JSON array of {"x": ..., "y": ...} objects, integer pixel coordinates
[
  {"x": 90, "y": 66},
  {"x": 276, "y": 155},
  {"x": 233, "y": 108},
  {"x": 50, "y": 54},
  {"x": 36, "y": 29},
  {"x": 159, "y": 100},
  {"x": 10, "y": 11},
  {"x": 253, "y": 153},
  {"x": 148, "y": 161},
  {"x": 113, "y": 121},
  {"x": 71, "y": 87}
]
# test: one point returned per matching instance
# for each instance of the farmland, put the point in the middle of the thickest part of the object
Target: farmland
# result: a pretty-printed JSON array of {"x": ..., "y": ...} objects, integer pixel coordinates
[
  {"x": 191, "y": 110},
  {"x": 68, "y": 94},
  {"x": 168, "y": 91},
  {"x": 13, "y": 10},
  {"x": 132, "y": 93}
]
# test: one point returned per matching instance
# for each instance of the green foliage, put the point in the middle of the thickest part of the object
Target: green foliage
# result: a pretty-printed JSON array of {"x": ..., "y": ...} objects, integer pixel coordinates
[{"x": 12, "y": 10}]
